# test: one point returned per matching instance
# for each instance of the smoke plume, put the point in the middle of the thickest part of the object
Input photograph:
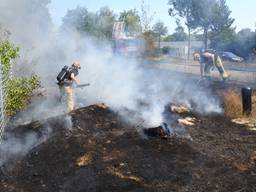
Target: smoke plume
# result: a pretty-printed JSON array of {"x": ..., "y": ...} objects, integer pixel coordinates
[
  {"x": 124, "y": 84},
  {"x": 120, "y": 82}
]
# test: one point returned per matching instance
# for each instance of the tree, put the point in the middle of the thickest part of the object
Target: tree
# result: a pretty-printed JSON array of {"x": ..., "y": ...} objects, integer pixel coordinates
[
  {"x": 149, "y": 43},
  {"x": 99, "y": 24},
  {"x": 244, "y": 41},
  {"x": 105, "y": 19},
  {"x": 132, "y": 21},
  {"x": 198, "y": 36},
  {"x": 78, "y": 19},
  {"x": 179, "y": 34},
  {"x": 184, "y": 9},
  {"x": 220, "y": 41},
  {"x": 160, "y": 30},
  {"x": 212, "y": 15},
  {"x": 168, "y": 38},
  {"x": 146, "y": 17}
]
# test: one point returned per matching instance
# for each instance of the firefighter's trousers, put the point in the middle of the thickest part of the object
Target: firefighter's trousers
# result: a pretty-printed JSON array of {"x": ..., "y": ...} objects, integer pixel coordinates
[{"x": 67, "y": 96}]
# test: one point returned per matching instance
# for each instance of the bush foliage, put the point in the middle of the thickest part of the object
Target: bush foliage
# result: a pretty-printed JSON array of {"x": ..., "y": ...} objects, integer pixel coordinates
[
  {"x": 7, "y": 53},
  {"x": 18, "y": 90}
]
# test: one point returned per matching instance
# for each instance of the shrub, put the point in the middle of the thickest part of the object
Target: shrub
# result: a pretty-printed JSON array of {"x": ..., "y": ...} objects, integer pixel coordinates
[
  {"x": 7, "y": 53},
  {"x": 18, "y": 90},
  {"x": 149, "y": 43}
]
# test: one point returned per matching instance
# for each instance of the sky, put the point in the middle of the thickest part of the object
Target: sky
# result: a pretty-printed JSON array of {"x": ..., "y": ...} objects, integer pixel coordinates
[{"x": 242, "y": 11}]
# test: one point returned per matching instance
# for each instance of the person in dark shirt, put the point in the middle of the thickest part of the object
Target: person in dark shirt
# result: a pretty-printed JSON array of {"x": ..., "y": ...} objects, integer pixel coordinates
[{"x": 66, "y": 86}]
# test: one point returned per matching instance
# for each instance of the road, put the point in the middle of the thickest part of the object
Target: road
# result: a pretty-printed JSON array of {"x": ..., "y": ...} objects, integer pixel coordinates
[{"x": 238, "y": 74}]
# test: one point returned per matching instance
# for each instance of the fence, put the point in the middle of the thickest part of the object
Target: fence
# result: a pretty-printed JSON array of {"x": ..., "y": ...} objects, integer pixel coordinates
[{"x": 3, "y": 118}]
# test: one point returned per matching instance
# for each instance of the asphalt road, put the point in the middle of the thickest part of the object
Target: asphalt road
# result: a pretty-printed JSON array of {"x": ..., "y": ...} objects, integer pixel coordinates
[{"x": 242, "y": 74}]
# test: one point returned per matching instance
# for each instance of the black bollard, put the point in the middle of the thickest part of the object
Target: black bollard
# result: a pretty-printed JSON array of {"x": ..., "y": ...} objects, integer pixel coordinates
[{"x": 247, "y": 100}]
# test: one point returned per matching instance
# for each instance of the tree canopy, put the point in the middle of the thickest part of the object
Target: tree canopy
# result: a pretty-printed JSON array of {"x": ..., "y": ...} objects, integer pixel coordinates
[
  {"x": 208, "y": 15},
  {"x": 99, "y": 24},
  {"x": 159, "y": 29},
  {"x": 212, "y": 15},
  {"x": 184, "y": 9},
  {"x": 132, "y": 21},
  {"x": 179, "y": 34}
]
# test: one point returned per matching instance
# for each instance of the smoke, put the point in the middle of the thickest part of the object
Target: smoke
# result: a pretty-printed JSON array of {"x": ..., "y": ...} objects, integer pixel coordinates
[
  {"x": 18, "y": 141},
  {"x": 30, "y": 26},
  {"x": 124, "y": 84},
  {"x": 14, "y": 146}
]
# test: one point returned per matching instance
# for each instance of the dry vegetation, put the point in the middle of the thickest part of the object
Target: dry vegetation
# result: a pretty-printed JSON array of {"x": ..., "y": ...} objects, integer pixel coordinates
[{"x": 232, "y": 102}]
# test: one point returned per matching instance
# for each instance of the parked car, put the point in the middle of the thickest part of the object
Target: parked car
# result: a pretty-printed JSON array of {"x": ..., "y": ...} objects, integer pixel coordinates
[{"x": 229, "y": 56}]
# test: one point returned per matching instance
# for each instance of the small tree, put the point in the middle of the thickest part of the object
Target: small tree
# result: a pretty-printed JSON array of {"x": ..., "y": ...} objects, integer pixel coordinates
[
  {"x": 146, "y": 18},
  {"x": 149, "y": 43},
  {"x": 160, "y": 30},
  {"x": 184, "y": 9}
]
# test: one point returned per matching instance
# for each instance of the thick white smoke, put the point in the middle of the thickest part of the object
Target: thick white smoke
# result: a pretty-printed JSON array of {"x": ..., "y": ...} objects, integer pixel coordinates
[
  {"x": 119, "y": 82},
  {"x": 134, "y": 90},
  {"x": 125, "y": 84}
]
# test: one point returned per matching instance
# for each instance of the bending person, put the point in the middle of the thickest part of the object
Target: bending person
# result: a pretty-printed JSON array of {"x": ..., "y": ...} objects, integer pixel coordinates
[{"x": 209, "y": 59}]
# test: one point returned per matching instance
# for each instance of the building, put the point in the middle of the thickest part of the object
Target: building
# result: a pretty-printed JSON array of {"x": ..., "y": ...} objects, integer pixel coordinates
[{"x": 180, "y": 48}]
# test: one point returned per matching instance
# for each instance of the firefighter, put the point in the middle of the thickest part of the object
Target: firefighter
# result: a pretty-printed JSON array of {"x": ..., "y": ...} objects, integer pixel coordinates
[
  {"x": 208, "y": 59},
  {"x": 66, "y": 86}
]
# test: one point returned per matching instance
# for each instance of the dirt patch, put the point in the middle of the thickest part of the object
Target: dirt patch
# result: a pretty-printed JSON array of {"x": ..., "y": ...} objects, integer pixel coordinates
[{"x": 101, "y": 153}]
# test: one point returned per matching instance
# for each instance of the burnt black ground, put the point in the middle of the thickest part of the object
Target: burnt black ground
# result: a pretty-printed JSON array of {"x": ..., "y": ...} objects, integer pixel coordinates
[{"x": 221, "y": 156}]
